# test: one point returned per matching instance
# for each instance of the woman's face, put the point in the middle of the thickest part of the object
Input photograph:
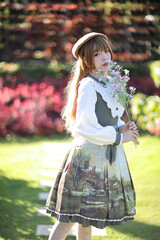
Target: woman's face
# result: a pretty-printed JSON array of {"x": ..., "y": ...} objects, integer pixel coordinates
[{"x": 100, "y": 60}]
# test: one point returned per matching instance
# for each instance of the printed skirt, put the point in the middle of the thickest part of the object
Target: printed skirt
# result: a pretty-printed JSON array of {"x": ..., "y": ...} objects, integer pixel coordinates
[{"x": 91, "y": 191}]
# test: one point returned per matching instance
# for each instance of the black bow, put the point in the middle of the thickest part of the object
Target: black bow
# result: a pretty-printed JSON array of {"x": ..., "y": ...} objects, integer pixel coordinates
[{"x": 111, "y": 153}]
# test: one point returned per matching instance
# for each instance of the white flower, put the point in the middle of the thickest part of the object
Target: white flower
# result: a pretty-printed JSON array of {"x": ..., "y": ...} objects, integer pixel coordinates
[
  {"x": 126, "y": 71},
  {"x": 132, "y": 89}
]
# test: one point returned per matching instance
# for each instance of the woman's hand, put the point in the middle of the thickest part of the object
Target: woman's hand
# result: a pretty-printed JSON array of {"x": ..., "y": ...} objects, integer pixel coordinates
[
  {"x": 130, "y": 135},
  {"x": 128, "y": 126}
]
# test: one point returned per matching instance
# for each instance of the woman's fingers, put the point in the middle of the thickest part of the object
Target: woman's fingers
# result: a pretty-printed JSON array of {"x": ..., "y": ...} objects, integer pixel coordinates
[
  {"x": 135, "y": 132},
  {"x": 127, "y": 124},
  {"x": 131, "y": 123},
  {"x": 130, "y": 135},
  {"x": 134, "y": 136},
  {"x": 136, "y": 141},
  {"x": 133, "y": 126}
]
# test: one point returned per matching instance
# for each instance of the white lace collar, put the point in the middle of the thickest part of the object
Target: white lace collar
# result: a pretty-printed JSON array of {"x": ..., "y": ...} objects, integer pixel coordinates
[{"x": 116, "y": 108}]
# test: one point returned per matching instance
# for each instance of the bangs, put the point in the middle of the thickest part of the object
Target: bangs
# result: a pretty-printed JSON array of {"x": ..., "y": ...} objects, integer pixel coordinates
[{"x": 100, "y": 44}]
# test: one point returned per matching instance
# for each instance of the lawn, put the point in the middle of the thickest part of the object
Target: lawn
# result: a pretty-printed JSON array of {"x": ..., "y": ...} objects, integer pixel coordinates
[{"x": 20, "y": 162}]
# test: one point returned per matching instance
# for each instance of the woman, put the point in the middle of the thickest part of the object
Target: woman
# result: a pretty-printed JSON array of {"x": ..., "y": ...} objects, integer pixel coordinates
[{"x": 93, "y": 186}]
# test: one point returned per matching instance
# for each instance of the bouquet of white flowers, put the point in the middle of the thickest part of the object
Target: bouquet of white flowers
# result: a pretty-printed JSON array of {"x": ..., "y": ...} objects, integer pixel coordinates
[{"x": 116, "y": 79}]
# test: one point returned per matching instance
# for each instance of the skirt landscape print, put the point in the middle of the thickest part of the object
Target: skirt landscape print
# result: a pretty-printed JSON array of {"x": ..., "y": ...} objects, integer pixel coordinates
[{"x": 91, "y": 191}]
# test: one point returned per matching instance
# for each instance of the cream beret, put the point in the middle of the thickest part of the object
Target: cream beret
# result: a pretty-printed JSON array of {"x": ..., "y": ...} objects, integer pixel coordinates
[{"x": 83, "y": 40}]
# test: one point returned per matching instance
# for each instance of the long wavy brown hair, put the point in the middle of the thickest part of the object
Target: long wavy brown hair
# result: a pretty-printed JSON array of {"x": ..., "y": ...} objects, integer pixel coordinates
[{"x": 80, "y": 70}]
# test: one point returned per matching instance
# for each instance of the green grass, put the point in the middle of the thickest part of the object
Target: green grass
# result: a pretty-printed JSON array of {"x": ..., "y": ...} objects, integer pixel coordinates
[{"x": 20, "y": 162}]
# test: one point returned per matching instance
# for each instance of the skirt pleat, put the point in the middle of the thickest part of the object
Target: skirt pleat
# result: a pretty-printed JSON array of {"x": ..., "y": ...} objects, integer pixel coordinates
[{"x": 91, "y": 191}]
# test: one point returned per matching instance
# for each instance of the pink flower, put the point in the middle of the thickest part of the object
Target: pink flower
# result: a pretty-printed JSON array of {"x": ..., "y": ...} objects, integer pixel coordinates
[{"x": 116, "y": 73}]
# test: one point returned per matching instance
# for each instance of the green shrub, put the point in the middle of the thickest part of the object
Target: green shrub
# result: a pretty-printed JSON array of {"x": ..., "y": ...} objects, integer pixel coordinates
[
  {"x": 35, "y": 71},
  {"x": 146, "y": 110},
  {"x": 155, "y": 72}
]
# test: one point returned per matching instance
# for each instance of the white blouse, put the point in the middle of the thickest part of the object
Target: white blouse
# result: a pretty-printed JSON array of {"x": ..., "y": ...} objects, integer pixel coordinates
[{"x": 86, "y": 120}]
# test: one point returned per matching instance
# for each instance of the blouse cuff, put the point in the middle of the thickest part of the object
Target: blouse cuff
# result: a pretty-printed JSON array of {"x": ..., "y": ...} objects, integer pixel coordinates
[{"x": 118, "y": 138}]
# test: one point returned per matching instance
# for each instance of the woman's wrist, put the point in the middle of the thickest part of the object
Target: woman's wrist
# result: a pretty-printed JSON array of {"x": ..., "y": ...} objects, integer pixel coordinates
[{"x": 120, "y": 129}]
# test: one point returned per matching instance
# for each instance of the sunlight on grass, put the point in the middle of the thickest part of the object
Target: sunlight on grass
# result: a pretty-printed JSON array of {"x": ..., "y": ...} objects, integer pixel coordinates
[
  {"x": 145, "y": 167},
  {"x": 20, "y": 184}
]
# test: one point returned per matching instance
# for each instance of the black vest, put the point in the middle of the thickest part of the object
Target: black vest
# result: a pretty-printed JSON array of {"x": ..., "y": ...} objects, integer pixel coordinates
[{"x": 103, "y": 113}]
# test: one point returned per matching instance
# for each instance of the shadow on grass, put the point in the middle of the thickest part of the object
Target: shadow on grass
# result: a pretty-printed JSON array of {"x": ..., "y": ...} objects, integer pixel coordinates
[
  {"x": 140, "y": 230},
  {"x": 35, "y": 139},
  {"x": 18, "y": 209},
  {"x": 54, "y": 138}
]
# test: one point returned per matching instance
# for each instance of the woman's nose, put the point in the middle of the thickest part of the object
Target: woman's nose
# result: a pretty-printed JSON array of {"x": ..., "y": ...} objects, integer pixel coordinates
[{"x": 104, "y": 56}]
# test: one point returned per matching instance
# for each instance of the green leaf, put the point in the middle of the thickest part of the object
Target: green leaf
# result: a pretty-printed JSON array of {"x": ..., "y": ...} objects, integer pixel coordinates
[{"x": 155, "y": 72}]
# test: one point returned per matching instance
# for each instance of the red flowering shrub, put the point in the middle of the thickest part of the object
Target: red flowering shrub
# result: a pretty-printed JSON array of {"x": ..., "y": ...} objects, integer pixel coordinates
[
  {"x": 31, "y": 104},
  {"x": 32, "y": 109},
  {"x": 154, "y": 127},
  {"x": 144, "y": 84}
]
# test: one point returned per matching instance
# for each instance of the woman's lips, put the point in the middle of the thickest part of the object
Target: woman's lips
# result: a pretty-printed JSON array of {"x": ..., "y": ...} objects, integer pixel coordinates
[{"x": 105, "y": 65}]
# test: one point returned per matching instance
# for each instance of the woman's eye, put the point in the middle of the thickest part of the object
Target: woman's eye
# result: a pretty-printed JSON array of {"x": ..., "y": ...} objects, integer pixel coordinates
[
  {"x": 96, "y": 54},
  {"x": 106, "y": 51}
]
